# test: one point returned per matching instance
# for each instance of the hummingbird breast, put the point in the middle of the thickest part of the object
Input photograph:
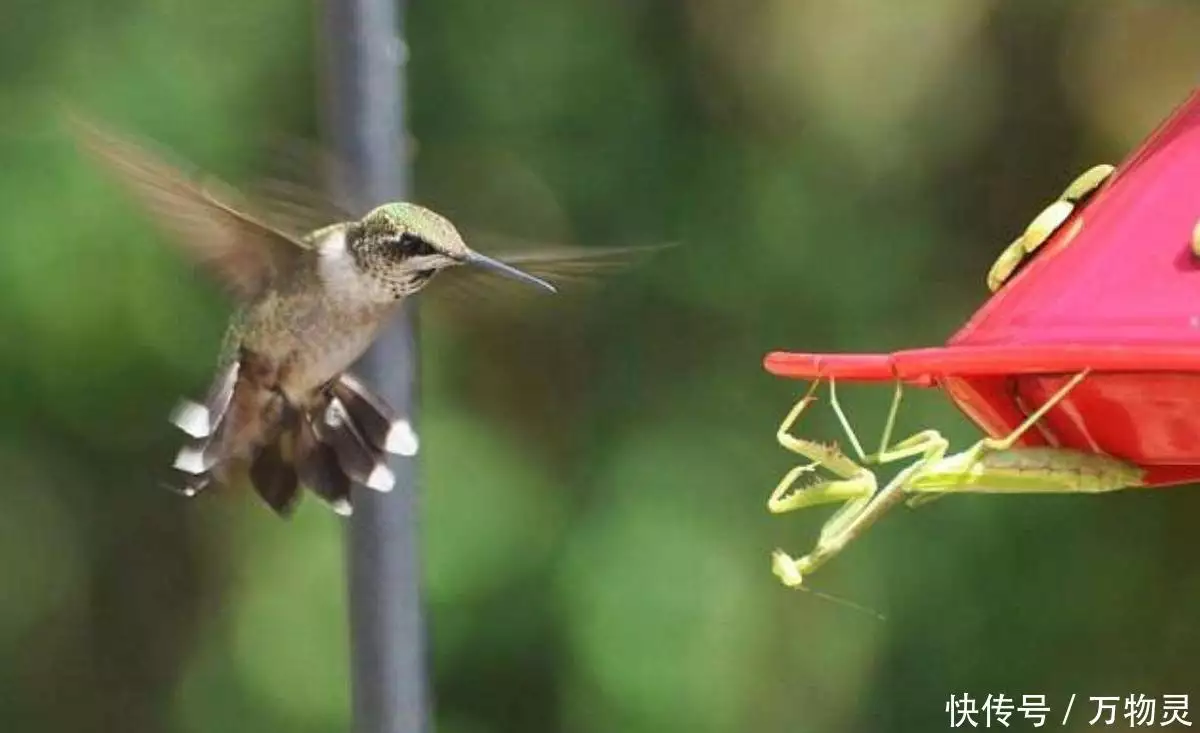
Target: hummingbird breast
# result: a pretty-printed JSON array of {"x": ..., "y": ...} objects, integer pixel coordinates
[{"x": 309, "y": 338}]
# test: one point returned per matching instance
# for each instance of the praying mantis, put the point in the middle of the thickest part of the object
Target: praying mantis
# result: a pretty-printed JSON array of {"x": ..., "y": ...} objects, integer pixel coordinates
[
  {"x": 1090, "y": 335},
  {"x": 991, "y": 465}
]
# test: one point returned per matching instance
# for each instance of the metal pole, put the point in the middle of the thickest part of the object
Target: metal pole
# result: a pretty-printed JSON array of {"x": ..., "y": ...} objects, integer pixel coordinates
[{"x": 365, "y": 104}]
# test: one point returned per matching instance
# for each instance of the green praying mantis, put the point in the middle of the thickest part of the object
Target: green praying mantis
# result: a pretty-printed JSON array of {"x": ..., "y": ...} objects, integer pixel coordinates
[{"x": 992, "y": 465}]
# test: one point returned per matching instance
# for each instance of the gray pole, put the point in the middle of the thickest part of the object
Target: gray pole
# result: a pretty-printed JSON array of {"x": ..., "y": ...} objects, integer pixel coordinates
[{"x": 365, "y": 55}]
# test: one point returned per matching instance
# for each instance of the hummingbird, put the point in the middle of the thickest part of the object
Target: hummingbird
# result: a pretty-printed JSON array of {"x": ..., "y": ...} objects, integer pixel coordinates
[{"x": 283, "y": 409}]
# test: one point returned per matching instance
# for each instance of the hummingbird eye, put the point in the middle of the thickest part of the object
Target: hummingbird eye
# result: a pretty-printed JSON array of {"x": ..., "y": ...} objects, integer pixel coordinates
[{"x": 410, "y": 245}]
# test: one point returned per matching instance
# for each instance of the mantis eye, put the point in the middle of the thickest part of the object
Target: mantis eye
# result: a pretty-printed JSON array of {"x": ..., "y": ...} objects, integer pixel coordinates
[{"x": 410, "y": 245}]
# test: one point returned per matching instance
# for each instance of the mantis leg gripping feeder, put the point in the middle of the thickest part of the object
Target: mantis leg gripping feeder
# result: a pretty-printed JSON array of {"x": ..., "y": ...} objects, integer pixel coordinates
[{"x": 1083, "y": 369}]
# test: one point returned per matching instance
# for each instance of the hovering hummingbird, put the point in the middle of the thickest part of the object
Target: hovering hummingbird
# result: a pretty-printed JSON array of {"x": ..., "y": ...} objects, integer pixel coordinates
[{"x": 282, "y": 407}]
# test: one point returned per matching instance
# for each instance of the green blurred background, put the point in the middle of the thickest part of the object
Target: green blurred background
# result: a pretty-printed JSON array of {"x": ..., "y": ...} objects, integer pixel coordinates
[{"x": 596, "y": 542}]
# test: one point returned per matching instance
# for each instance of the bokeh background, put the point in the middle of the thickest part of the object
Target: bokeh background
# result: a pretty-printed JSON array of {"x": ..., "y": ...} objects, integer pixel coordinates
[{"x": 595, "y": 538}]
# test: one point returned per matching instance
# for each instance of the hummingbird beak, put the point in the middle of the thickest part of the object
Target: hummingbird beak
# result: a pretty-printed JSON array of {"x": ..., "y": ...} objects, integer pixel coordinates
[{"x": 500, "y": 268}]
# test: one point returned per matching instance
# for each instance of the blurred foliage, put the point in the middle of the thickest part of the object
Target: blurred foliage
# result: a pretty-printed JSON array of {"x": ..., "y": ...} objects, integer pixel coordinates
[{"x": 596, "y": 543}]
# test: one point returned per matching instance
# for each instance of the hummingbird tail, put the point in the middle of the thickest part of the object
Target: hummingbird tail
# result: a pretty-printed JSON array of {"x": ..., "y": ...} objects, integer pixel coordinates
[
  {"x": 274, "y": 477},
  {"x": 203, "y": 423},
  {"x": 319, "y": 469},
  {"x": 375, "y": 419},
  {"x": 294, "y": 455},
  {"x": 234, "y": 414},
  {"x": 300, "y": 455},
  {"x": 359, "y": 457},
  {"x": 344, "y": 436}
]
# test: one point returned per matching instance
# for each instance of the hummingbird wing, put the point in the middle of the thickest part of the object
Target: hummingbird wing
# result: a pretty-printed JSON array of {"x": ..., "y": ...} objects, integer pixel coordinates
[
  {"x": 246, "y": 250},
  {"x": 303, "y": 193},
  {"x": 202, "y": 216},
  {"x": 571, "y": 268},
  {"x": 298, "y": 192}
]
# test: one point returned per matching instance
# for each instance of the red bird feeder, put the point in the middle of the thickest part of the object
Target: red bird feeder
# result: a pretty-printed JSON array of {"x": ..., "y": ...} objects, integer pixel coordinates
[{"x": 1111, "y": 287}]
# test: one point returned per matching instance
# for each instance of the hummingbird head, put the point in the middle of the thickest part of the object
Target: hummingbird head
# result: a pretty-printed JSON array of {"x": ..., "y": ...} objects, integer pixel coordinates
[{"x": 403, "y": 245}]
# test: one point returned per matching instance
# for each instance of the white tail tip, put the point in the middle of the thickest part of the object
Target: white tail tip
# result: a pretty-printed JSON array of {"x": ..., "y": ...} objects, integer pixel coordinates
[
  {"x": 190, "y": 460},
  {"x": 381, "y": 478},
  {"x": 192, "y": 418},
  {"x": 342, "y": 507},
  {"x": 335, "y": 414},
  {"x": 401, "y": 439}
]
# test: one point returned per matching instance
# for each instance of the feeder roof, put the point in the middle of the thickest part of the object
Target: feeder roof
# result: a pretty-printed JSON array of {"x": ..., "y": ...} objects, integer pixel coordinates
[{"x": 1115, "y": 288}]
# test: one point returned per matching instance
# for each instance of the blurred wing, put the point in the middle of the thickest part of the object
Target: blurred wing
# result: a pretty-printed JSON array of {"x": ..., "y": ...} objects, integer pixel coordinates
[
  {"x": 243, "y": 252},
  {"x": 582, "y": 265},
  {"x": 297, "y": 195},
  {"x": 571, "y": 269}
]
